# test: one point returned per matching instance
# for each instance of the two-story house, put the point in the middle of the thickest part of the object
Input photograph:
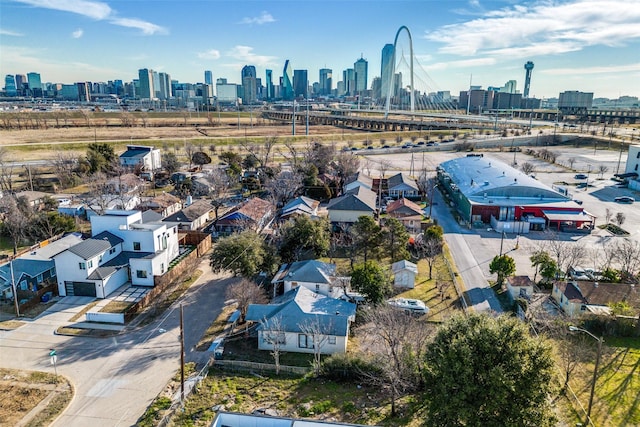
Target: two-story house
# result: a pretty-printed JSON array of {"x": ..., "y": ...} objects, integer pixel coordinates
[{"x": 122, "y": 249}]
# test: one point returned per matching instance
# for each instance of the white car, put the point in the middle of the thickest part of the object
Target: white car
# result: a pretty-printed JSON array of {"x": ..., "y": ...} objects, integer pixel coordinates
[{"x": 409, "y": 305}]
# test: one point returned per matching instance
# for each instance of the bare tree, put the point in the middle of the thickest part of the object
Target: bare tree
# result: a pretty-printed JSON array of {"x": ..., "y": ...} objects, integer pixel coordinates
[
  {"x": 567, "y": 254},
  {"x": 246, "y": 292},
  {"x": 100, "y": 194},
  {"x": 571, "y": 161},
  {"x": 627, "y": 254},
  {"x": 396, "y": 343},
  {"x": 427, "y": 248},
  {"x": 189, "y": 150},
  {"x": 15, "y": 219},
  {"x": 219, "y": 186},
  {"x": 602, "y": 169},
  {"x": 6, "y": 171},
  {"x": 273, "y": 334},
  {"x": 607, "y": 215},
  {"x": 384, "y": 165},
  {"x": 317, "y": 331},
  {"x": 620, "y": 218},
  {"x": 284, "y": 187},
  {"x": 263, "y": 152},
  {"x": 345, "y": 165},
  {"x": 527, "y": 168}
]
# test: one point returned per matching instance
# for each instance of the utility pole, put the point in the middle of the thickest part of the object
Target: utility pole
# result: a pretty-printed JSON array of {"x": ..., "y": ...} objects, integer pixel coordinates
[
  {"x": 14, "y": 289},
  {"x": 293, "y": 119},
  {"x": 181, "y": 355}
]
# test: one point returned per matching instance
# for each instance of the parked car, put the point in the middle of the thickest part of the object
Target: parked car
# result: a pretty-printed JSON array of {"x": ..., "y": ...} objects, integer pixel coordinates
[
  {"x": 580, "y": 176},
  {"x": 624, "y": 199},
  {"x": 413, "y": 306}
]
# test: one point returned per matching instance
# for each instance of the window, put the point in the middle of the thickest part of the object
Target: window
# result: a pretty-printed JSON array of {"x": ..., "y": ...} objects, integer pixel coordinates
[
  {"x": 23, "y": 285},
  {"x": 271, "y": 337},
  {"x": 82, "y": 266},
  {"x": 39, "y": 278},
  {"x": 304, "y": 341},
  {"x": 99, "y": 259},
  {"x": 332, "y": 340},
  {"x": 317, "y": 288},
  {"x": 53, "y": 272},
  {"x": 90, "y": 263},
  {"x": 136, "y": 246},
  {"x": 112, "y": 250},
  {"x": 141, "y": 274},
  {"x": 162, "y": 268}
]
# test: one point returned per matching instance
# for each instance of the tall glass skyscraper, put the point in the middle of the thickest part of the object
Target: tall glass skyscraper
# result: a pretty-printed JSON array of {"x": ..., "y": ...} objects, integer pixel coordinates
[
  {"x": 249, "y": 85},
  {"x": 269, "y": 83},
  {"x": 208, "y": 77},
  {"x": 10, "y": 85},
  {"x": 326, "y": 83},
  {"x": 287, "y": 81},
  {"x": 361, "y": 67},
  {"x": 300, "y": 83},
  {"x": 386, "y": 70},
  {"x": 145, "y": 77}
]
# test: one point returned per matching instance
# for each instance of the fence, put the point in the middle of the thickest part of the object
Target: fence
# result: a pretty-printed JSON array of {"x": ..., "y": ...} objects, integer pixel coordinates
[
  {"x": 35, "y": 299},
  {"x": 242, "y": 365},
  {"x": 456, "y": 285},
  {"x": 193, "y": 380}
]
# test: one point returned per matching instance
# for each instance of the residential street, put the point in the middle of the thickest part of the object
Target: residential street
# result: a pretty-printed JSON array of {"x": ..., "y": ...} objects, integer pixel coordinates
[
  {"x": 116, "y": 378},
  {"x": 482, "y": 297}
]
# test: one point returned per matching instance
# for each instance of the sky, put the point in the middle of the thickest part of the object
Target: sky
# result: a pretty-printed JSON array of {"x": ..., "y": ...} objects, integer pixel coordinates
[{"x": 585, "y": 45}]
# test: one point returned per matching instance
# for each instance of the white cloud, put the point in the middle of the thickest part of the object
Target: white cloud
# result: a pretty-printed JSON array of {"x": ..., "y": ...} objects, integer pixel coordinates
[
  {"x": 264, "y": 18},
  {"x": 92, "y": 9},
  {"x": 147, "y": 28},
  {"x": 542, "y": 28},
  {"x": 4, "y": 32},
  {"x": 592, "y": 70},
  {"x": 209, "y": 54},
  {"x": 466, "y": 63},
  {"x": 245, "y": 54},
  {"x": 97, "y": 10},
  {"x": 77, "y": 33}
]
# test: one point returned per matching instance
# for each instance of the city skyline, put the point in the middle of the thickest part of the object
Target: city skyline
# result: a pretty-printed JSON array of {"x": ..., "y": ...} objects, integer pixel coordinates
[{"x": 580, "y": 45}]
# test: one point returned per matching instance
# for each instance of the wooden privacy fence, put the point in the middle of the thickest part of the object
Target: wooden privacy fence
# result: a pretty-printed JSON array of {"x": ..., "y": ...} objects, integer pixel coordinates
[{"x": 242, "y": 365}]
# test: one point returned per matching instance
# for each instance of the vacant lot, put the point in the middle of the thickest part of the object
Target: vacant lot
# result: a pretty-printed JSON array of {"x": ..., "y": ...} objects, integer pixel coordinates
[{"x": 32, "y": 398}]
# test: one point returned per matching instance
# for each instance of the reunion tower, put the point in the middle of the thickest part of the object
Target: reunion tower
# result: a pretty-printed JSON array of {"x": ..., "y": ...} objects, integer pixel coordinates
[{"x": 527, "y": 78}]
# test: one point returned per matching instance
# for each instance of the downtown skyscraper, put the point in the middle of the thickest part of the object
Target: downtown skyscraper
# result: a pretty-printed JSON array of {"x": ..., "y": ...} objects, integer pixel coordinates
[{"x": 360, "y": 68}]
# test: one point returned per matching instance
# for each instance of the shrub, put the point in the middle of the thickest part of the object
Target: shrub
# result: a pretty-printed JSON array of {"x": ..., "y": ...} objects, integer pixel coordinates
[{"x": 345, "y": 367}]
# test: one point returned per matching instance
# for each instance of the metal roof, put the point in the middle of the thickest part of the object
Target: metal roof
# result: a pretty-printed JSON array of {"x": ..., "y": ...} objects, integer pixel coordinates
[
  {"x": 95, "y": 245},
  {"x": 482, "y": 178}
]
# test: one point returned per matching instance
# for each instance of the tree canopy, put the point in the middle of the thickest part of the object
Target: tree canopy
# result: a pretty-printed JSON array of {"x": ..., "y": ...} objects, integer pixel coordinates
[
  {"x": 396, "y": 239},
  {"x": 366, "y": 237},
  {"x": 302, "y": 234},
  {"x": 243, "y": 254},
  {"x": 371, "y": 281},
  {"x": 487, "y": 371},
  {"x": 503, "y": 266}
]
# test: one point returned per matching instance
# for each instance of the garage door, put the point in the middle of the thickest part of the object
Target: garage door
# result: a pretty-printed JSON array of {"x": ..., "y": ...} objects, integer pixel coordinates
[{"x": 80, "y": 289}]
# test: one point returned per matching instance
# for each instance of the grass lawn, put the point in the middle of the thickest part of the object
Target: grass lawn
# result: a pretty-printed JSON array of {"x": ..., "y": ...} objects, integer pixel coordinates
[
  {"x": 617, "y": 394},
  {"x": 291, "y": 397},
  {"x": 216, "y": 328}
]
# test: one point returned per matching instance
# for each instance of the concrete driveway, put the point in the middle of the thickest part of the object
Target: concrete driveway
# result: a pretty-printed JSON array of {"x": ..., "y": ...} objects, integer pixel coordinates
[{"x": 116, "y": 378}]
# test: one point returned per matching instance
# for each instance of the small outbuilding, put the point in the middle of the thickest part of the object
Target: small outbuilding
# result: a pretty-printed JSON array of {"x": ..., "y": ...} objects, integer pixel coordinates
[{"x": 404, "y": 273}]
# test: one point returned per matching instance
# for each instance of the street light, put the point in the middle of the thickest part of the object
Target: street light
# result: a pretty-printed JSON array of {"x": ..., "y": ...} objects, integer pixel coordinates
[{"x": 595, "y": 369}]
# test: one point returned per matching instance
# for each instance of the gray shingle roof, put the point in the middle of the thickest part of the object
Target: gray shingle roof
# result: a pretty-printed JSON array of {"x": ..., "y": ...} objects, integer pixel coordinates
[
  {"x": 400, "y": 179},
  {"x": 119, "y": 262},
  {"x": 359, "y": 199},
  {"x": 191, "y": 212},
  {"x": 300, "y": 306},
  {"x": 96, "y": 245},
  {"x": 311, "y": 271}
]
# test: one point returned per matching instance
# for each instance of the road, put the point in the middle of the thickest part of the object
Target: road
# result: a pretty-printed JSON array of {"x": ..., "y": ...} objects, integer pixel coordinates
[
  {"x": 115, "y": 379},
  {"x": 480, "y": 295}
]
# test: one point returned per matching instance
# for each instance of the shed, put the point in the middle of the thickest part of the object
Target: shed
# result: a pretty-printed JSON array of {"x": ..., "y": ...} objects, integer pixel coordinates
[{"x": 405, "y": 273}]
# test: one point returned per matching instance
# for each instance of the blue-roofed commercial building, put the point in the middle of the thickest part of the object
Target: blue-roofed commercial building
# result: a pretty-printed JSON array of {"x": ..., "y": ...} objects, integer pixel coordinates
[{"x": 486, "y": 191}]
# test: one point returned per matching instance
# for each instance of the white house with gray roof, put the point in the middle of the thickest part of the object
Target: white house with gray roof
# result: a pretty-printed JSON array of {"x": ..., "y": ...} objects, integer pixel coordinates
[
  {"x": 317, "y": 276},
  {"x": 401, "y": 185},
  {"x": 351, "y": 206},
  {"x": 286, "y": 317},
  {"x": 123, "y": 249},
  {"x": 148, "y": 158}
]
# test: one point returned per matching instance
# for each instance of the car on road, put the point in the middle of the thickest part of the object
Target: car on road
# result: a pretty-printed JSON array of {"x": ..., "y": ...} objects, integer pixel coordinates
[
  {"x": 369, "y": 148},
  {"x": 385, "y": 146},
  {"x": 412, "y": 306},
  {"x": 580, "y": 176},
  {"x": 624, "y": 199}
]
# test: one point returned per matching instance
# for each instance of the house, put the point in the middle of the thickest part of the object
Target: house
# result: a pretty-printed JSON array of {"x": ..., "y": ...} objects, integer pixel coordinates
[
  {"x": 301, "y": 205},
  {"x": 581, "y": 296},
  {"x": 122, "y": 249},
  {"x": 233, "y": 419},
  {"x": 400, "y": 185},
  {"x": 165, "y": 204},
  {"x": 35, "y": 269},
  {"x": 255, "y": 214},
  {"x": 289, "y": 317},
  {"x": 317, "y": 276},
  {"x": 35, "y": 199},
  {"x": 356, "y": 181},
  {"x": 407, "y": 212},
  {"x": 146, "y": 158},
  {"x": 520, "y": 287},
  {"x": 192, "y": 217},
  {"x": 404, "y": 273},
  {"x": 351, "y": 206}
]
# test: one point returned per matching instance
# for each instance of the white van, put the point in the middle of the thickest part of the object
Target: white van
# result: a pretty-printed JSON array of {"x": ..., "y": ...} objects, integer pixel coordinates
[{"x": 409, "y": 305}]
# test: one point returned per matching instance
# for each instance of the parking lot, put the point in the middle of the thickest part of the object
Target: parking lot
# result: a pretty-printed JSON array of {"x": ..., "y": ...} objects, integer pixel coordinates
[{"x": 596, "y": 198}]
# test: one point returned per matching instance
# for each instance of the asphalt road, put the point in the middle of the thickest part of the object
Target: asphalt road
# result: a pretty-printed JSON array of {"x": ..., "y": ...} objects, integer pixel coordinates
[{"x": 115, "y": 379}]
